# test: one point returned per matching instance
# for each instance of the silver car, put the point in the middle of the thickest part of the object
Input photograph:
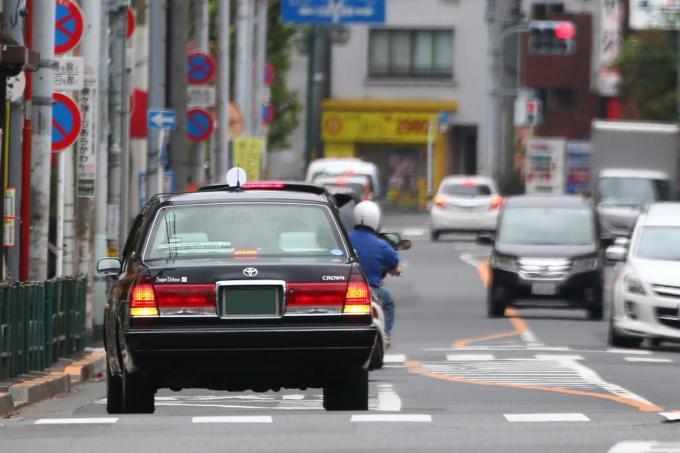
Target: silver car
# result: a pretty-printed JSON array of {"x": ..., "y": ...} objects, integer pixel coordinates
[
  {"x": 465, "y": 204},
  {"x": 646, "y": 285}
]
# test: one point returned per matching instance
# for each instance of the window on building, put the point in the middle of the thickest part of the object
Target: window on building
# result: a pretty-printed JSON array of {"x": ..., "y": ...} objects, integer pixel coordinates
[
  {"x": 420, "y": 54},
  {"x": 544, "y": 10},
  {"x": 557, "y": 99}
]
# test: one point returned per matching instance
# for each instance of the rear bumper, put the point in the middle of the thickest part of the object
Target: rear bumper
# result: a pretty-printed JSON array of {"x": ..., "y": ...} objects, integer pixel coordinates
[
  {"x": 447, "y": 220},
  {"x": 288, "y": 357}
]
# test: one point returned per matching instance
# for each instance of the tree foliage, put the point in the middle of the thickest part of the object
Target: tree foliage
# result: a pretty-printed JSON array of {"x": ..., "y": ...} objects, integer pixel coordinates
[
  {"x": 648, "y": 66},
  {"x": 280, "y": 41}
]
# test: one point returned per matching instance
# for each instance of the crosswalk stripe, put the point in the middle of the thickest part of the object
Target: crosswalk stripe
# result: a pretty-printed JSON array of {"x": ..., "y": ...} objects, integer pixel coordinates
[
  {"x": 394, "y": 358},
  {"x": 539, "y": 418},
  {"x": 634, "y": 446},
  {"x": 647, "y": 359},
  {"x": 629, "y": 351},
  {"x": 415, "y": 418},
  {"x": 466, "y": 357},
  {"x": 77, "y": 421},
  {"x": 671, "y": 416},
  {"x": 233, "y": 419}
]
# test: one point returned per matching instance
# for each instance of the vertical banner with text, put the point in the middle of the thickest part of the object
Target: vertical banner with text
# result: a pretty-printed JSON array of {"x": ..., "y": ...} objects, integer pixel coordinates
[
  {"x": 248, "y": 153},
  {"x": 87, "y": 152}
]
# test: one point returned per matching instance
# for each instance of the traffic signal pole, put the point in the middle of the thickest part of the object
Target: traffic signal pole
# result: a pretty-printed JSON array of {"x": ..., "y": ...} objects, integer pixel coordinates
[
  {"x": 26, "y": 151},
  {"x": 243, "y": 89},
  {"x": 202, "y": 35},
  {"x": 223, "y": 98},
  {"x": 157, "y": 84}
]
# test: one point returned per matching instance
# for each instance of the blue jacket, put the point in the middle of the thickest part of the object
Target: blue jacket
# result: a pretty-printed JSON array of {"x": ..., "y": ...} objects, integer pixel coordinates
[{"x": 376, "y": 256}]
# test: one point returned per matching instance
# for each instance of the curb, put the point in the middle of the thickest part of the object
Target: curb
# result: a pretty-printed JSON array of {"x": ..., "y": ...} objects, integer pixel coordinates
[{"x": 52, "y": 384}]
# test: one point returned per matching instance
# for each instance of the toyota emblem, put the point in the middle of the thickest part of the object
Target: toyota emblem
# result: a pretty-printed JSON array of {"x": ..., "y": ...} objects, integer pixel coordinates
[{"x": 250, "y": 272}]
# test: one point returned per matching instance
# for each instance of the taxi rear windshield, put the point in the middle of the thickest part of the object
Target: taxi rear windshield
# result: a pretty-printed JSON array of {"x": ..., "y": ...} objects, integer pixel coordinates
[
  {"x": 466, "y": 190},
  {"x": 240, "y": 231}
]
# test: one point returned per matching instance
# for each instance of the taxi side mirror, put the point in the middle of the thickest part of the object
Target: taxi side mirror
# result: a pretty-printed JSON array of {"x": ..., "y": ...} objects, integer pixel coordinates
[{"x": 109, "y": 266}]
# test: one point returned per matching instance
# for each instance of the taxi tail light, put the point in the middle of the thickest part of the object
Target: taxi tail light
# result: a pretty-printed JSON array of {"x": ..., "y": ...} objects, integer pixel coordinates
[
  {"x": 187, "y": 300},
  {"x": 440, "y": 201},
  {"x": 316, "y": 294},
  {"x": 143, "y": 299},
  {"x": 358, "y": 296},
  {"x": 496, "y": 202}
]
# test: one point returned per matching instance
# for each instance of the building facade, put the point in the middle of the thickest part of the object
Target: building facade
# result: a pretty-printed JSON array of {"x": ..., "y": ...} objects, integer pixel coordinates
[{"x": 409, "y": 95}]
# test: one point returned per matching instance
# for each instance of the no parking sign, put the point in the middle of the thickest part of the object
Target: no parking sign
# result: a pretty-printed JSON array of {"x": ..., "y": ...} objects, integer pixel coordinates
[
  {"x": 200, "y": 125},
  {"x": 68, "y": 28},
  {"x": 66, "y": 121},
  {"x": 202, "y": 68}
]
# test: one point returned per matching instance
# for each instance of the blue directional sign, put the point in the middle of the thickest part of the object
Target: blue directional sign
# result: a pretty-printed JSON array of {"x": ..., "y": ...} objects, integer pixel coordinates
[
  {"x": 328, "y": 12},
  {"x": 161, "y": 119}
]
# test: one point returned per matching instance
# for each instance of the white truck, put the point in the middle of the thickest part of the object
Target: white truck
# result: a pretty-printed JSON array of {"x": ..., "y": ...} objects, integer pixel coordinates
[{"x": 633, "y": 164}]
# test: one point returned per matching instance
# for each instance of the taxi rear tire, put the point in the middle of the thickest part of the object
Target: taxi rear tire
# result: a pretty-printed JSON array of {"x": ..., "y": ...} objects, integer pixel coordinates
[
  {"x": 350, "y": 394},
  {"x": 114, "y": 392},
  {"x": 137, "y": 394},
  {"x": 434, "y": 235}
]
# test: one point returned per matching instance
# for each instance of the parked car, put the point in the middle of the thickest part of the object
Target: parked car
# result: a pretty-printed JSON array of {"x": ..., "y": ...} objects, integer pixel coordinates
[
  {"x": 465, "y": 204},
  {"x": 546, "y": 253},
  {"x": 646, "y": 286}
]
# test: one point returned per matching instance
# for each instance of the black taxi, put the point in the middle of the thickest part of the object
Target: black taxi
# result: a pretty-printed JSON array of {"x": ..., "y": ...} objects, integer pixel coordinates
[{"x": 254, "y": 287}]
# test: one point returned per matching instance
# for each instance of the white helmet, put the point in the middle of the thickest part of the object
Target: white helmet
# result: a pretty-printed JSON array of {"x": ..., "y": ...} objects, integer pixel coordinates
[{"x": 367, "y": 213}]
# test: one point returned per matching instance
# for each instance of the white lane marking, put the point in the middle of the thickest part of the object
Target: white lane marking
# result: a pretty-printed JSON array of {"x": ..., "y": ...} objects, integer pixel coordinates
[
  {"x": 533, "y": 418},
  {"x": 671, "y": 416},
  {"x": 388, "y": 399},
  {"x": 295, "y": 396},
  {"x": 629, "y": 351},
  {"x": 634, "y": 446},
  {"x": 414, "y": 232},
  {"x": 647, "y": 359},
  {"x": 471, "y": 259},
  {"x": 77, "y": 421},
  {"x": 464, "y": 357},
  {"x": 415, "y": 418},
  {"x": 394, "y": 358},
  {"x": 233, "y": 419},
  {"x": 557, "y": 357}
]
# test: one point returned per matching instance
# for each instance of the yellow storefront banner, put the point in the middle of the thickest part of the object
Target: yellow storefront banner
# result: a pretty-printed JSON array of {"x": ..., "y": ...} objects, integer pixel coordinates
[
  {"x": 376, "y": 127},
  {"x": 248, "y": 155}
]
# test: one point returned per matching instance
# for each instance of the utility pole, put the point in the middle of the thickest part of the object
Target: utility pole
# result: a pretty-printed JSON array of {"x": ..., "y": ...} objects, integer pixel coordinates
[
  {"x": 85, "y": 204},
  {"x": 14, "y": 24},
  {"x": 117, "y": 107},
  {"x": 244, "y": 63},
  {"x": 261, "y": 20},
  {"x": 177, "y": 89},
  {"x": 489, "y": 167},
  {"x": 157, "y": 84},
  {"x": 26, "y": 157},
  {"x": 223, "y": 67},
  {"x": 310, "y": 135},
  {"x": 43, "y": 26},
  {"x": 202, "y": 32},
  {"x": 101, "y": 182}
]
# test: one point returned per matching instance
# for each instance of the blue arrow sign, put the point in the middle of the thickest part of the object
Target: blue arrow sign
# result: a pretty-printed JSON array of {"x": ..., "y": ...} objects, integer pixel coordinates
[
  {"x": 161, "y": 119},
  {"x": 327, "y": 12}
]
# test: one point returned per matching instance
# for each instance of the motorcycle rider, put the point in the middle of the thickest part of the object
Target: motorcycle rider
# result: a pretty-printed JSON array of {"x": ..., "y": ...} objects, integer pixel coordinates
[{"x": 376, "y": 256}]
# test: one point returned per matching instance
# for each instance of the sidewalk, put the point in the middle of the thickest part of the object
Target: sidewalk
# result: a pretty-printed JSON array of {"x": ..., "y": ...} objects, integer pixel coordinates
[{"x": 38, "y": 386}]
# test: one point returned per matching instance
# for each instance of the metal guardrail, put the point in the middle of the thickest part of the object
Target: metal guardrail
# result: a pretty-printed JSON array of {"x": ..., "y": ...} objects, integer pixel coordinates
[{"x": 40, "y": 322}]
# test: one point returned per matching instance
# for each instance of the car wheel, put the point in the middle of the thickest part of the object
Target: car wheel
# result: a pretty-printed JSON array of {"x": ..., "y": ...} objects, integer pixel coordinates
[
  {"x": 114, "y": 392},
  {"x": 138, "y": 394},
  {"x": 434, "y": 235},
  {"x": 348, "y": 395},
  {"x": 377, "y": 357},
  {"x": 495, "y": 305},
  {"x": 619, "y": 340}
]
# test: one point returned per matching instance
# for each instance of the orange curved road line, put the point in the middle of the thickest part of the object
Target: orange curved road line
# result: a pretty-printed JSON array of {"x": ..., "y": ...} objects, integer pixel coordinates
[
  {"x": 415, "y": 367},
  {"x": 519, "y": 324}
]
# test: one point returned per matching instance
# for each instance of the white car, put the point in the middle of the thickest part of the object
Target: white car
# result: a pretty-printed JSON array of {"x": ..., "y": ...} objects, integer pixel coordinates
[
  {"x": 465, "y": 204},
  {"x": 646, "y": 287},
  {"x": 347, "y": 166}
]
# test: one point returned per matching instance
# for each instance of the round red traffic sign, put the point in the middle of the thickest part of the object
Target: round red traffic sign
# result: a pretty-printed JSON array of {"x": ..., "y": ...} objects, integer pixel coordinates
[
  {"x": 202, "y": 68},
  {"x": 131, "y": 22},
  {"x": 68, "y": 27},
  {"x": 268, "y": 112},
  {"x": 66, "y": 121},
  {"x": 200, "y": 125}
]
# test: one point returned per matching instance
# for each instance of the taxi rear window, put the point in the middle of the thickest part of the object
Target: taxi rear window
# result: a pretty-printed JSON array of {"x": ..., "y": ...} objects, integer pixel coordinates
[{"x": 241, "y": 230}]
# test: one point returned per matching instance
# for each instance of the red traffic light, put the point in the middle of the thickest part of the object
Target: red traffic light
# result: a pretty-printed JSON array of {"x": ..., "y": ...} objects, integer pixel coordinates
[{"x": 565, "y": 31}]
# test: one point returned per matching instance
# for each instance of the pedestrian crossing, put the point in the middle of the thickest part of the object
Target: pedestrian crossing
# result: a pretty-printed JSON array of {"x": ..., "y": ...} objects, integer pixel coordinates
[{"x": 645, "y": 447}]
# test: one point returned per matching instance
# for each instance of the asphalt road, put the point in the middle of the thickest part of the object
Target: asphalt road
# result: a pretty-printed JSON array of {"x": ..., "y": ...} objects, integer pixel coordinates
[{"x": 455, "y": 381}]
